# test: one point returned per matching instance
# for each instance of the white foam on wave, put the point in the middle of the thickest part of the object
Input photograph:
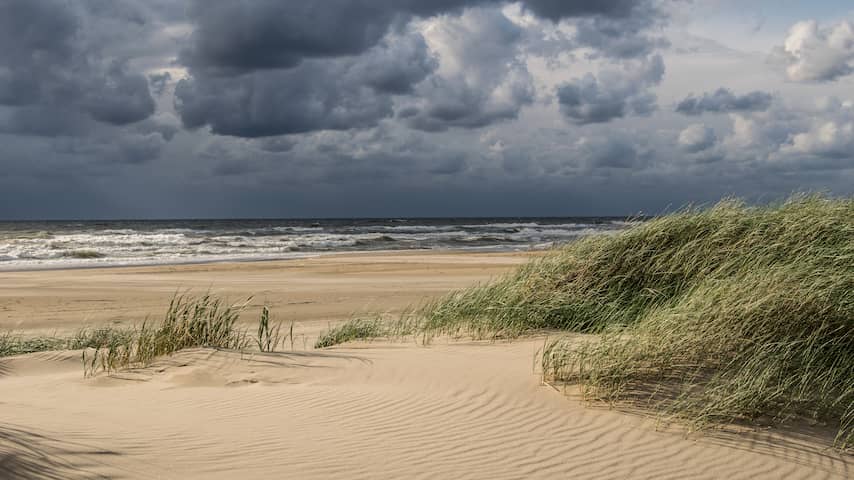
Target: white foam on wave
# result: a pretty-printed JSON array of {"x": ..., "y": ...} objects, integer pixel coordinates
[{"x": 128, "y": 246}]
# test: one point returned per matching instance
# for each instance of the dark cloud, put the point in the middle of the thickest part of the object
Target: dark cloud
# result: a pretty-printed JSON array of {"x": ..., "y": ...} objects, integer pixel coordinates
[
  {"x": 560, "y": 9},
  {"x": 724, "y": 101},
  {"x": 54, "y": 72},
  {"x": 285, "y": 73},
  {"x": 455, "y": 103},
  {"x": 47, "y": 121},
  {"x": 400, "y": 62},
  {"x": 277, "y": 144},
  {"x": 697, "y": 138},
  {"x": 233, "y": 37},
  {"x": 139, "y": 148},
  {"x": 240, "y": 36},
  {"x": 617, "y": 38},
  {"x": 369, "y": 107},
  {"x": 609, "y": 152},
  {"x": 313, "y": 96},
  {"x": 119, "y": 98},
  {"x": 613, "y": 94},
  {"x": 357, "y": 92},
  {"x": 488, "y": 83},
  {"x": 159, "y": 81}
]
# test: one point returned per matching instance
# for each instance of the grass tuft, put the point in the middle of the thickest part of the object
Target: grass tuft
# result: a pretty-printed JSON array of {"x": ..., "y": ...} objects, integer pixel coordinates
[
  {"x": 14, "y": 344},
  {"x": 356, "y": 329},
  {"x": 204, "y": 321}
]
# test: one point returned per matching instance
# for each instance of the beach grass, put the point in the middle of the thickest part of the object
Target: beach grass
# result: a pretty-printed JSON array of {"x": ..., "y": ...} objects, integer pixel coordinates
[
  {"x": 190, "y": 321},
  {"x": 376, "y": 326},
  {"x": 707, "y": 316},
  {"x": 355, "y": 329},
  {"x": 12, "y": 344}
]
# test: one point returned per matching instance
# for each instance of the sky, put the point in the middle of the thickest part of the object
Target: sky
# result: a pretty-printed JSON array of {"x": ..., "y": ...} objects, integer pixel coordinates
[{"x": 403, "y": 108}]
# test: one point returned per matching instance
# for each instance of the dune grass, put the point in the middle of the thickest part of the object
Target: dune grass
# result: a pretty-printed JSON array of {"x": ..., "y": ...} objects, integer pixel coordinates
[
  {"x": 12, "y": 344},
  {"x": 355, "y": 329},
  {"x": 708, "y": 316},
  {"x": 190, "y": 321},
  {"x": 377, "y": 326}
]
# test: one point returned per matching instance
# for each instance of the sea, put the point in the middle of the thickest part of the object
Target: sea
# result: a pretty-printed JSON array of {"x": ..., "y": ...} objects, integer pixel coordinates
[{"x": 27, "y": 245}]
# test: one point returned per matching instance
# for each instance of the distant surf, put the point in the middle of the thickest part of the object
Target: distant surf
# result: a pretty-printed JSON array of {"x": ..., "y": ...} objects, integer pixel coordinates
[{"x": 60, "y": 244}]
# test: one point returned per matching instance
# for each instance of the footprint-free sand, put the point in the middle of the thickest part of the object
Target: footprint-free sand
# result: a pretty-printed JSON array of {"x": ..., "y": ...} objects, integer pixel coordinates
[{"x": 452, "y": 409}]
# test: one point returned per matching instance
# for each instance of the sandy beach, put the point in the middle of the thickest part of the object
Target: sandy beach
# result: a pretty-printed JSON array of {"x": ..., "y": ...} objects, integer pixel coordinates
[
  {"x": 453, "y": 409},
  {"x": 314, "y": 291}
]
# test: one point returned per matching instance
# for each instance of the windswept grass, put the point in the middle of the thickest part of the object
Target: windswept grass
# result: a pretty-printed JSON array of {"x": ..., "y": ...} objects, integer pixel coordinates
[
  {"x": 356, "y": 329},
  {"x": 732, "y": 313},
  {"x": 14, "y": 344},
  {"x": 190, "y": 321},
  {"x": 408, "y": 323},
  {"x": 269, "y": 335},
  {"x": 204, "y": 321}
]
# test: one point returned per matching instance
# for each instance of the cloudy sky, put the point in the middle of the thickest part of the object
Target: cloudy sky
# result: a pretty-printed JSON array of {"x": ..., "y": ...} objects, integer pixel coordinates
[{"x": 338, "y": 108}]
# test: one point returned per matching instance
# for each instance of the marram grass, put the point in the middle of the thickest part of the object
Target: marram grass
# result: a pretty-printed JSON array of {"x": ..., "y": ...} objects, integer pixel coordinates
[
  {"x": 204, "y": 321},
  {"x": 732, "y": 313}
]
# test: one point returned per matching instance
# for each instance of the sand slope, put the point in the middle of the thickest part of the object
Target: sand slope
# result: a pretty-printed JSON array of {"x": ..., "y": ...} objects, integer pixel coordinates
[{"x": 474, "y": 411}]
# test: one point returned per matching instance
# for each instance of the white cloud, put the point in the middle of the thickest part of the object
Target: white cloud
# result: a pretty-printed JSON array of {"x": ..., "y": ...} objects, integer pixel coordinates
[
  {"x": 816, "y": 53},
  {"x": 829, "y": 139}
]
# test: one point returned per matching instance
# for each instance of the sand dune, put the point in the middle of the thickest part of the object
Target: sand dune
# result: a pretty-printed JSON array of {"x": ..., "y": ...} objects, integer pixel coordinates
[
  {"x": 372, "y": 411},
  {"x": 378, "y": 411}
]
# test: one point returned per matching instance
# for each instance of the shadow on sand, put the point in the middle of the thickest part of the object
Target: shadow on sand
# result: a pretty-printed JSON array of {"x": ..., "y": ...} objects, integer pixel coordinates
[{"x": 28, "y": 455}]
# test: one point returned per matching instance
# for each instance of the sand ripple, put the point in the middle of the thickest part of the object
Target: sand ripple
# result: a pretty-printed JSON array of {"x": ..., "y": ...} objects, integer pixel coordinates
[{"x": 383, "y": 411}]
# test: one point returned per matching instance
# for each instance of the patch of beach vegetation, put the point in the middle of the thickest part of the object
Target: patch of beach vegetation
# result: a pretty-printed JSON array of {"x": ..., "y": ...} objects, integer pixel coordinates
[{"x": 706, "y": 316}]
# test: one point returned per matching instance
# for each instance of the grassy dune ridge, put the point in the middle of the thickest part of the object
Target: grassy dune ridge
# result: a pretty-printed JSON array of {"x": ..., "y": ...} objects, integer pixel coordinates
[{"x": 726, "y": 314}]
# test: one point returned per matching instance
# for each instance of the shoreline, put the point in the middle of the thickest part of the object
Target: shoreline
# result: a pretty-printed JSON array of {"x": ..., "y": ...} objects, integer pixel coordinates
[
  {"x": 316, "y": 290},
  {"x": 297, "y": 256}
]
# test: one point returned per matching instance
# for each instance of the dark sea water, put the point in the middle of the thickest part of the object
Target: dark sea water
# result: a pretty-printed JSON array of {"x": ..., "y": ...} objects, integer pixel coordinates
[{"x": 60, "y": 244}]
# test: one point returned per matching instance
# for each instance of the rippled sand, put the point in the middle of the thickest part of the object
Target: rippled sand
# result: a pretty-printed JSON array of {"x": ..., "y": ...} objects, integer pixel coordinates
[{"x": 373, "y": 411}]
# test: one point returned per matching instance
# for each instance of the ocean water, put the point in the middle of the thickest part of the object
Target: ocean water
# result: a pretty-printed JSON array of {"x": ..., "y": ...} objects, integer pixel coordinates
[{"x": 61, "y": 244}]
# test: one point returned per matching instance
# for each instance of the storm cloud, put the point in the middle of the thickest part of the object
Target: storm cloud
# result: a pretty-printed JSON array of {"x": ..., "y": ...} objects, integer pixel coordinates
[
  {"x": 696, "y": 138},
  {"x": 723, "y": 100},
  {"x": 339, "y": 94},
  {"x": 345, "y": 80},
  {"x": 613, "y": 94},
  {"x": 407, "y": 107},
  {"x": 50, "y": 63}
]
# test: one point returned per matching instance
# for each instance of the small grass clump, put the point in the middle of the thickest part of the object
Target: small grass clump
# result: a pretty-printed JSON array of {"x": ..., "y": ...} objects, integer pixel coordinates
[
  {"x": 356, "y": 329},
  {"x": 204, "y": 321},
  {"x": 269, "y": 334},
  {"x": 190, "y": 321},
  {"x": 14, "y": 344},
  {"x": 377, "y": 326}
]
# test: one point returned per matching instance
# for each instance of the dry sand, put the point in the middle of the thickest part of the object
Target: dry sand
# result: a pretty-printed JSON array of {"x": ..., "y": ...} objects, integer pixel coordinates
[
  {"x": 314, "y": 291},
  {"x": 373, "y": 411}
]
